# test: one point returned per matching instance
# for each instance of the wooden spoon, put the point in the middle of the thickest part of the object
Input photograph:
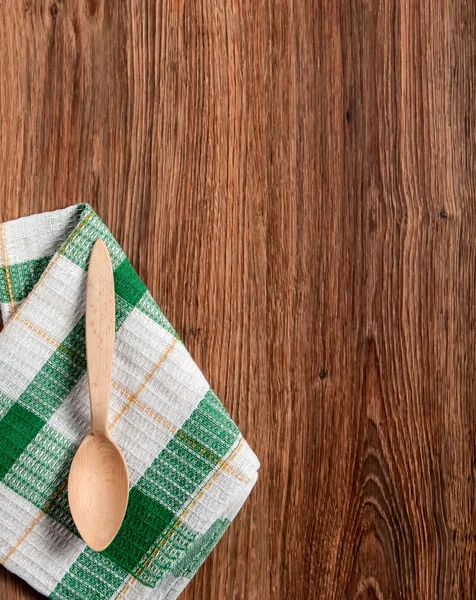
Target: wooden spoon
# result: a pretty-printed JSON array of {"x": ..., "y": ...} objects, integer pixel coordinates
[{"x": 98, "y": 484}]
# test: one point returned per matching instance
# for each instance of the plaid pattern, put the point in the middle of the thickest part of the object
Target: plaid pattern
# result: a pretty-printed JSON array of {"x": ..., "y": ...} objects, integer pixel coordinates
[{"x": 190, "y": 469}]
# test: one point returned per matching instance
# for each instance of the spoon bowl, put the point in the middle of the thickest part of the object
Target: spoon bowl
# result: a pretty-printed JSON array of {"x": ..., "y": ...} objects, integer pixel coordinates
[{"x": 98, "y": 490}]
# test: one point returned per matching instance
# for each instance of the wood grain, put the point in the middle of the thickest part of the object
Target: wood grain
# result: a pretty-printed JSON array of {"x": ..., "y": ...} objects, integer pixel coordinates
[{"x": 294, "y": 181}]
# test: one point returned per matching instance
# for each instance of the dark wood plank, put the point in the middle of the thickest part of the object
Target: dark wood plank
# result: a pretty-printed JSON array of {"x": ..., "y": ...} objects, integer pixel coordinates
[
  {"x": 294, "y": 182},
  {"x": 14, "y": 588}
]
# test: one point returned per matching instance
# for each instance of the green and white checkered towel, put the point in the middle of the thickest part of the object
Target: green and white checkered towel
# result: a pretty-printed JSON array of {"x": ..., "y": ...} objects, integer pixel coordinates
[{"x": 190, "y": 469}]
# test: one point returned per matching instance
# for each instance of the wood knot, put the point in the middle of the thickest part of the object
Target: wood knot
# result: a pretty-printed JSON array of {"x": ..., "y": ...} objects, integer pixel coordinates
[
  {"x": 93, "y": 7},
  {"x": 322, "y": 374},
  {"x": 443, "y": 214},
  {"x": 194, "y": 332},
  {"x": 54, "y": 11}
]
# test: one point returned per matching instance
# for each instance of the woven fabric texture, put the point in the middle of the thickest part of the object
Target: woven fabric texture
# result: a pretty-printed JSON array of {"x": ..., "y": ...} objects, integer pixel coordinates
[{"x": 190, "y": 469}]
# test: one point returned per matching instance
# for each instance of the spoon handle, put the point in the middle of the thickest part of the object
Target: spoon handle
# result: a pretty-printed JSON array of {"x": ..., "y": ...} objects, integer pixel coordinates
[{"x": 100, "y": 324}]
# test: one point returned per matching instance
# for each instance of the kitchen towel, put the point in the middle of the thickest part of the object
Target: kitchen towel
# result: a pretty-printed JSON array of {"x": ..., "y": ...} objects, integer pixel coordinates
[{"x": 190, "y": 469}]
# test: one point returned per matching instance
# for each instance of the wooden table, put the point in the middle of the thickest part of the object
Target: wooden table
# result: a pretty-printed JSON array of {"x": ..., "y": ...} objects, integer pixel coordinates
[{"x": 294, "y": 181}]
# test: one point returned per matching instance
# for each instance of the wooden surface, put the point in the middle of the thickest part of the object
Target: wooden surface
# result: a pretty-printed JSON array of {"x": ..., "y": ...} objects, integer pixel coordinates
[{"x": 295, "y": 183}]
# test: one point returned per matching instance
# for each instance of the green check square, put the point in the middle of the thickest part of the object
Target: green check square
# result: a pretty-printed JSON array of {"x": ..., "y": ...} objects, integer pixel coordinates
[
  {"x": 143, "y": 524},
  {"x": 19, "y": 426}
]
